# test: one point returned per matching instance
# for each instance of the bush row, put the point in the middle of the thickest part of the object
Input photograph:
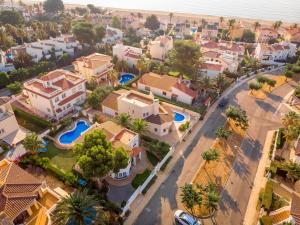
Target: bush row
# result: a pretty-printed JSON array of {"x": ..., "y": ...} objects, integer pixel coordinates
[
  {"x": 280, "y": 139},
  {"x": 32, "y": 118},
  {"x": 43, "y": 162}
]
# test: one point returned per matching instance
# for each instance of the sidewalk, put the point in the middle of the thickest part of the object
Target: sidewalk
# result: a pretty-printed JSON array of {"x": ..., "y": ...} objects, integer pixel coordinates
[{"x": 252, "y": 214}]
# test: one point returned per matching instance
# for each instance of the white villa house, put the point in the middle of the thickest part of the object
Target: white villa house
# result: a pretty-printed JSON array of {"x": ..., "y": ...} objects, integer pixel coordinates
[
  {"x": 93, "y": 67},
  {"x": 275, "y": 53},
  {"x": 112, "y": 35},
  {"x": 139, "y": 105},
  {"x": 120, "y": 137},
  {"x": 10, "y": 131},
  {"x": 127, "y": 53},
  {"x": 56, "y": 94},
  {"x": 159, "y": 48},
  {"x": 5, "y": 66},
  {"x": 43, "y": 48},
  {"x": 169, "y": 87}
]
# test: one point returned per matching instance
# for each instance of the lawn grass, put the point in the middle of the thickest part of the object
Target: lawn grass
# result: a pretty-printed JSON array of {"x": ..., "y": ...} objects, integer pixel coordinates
[
  {"x": 140, "y": 178},
  {"x": 29, "y": 125},
  {"x": 63, "y": 159}
]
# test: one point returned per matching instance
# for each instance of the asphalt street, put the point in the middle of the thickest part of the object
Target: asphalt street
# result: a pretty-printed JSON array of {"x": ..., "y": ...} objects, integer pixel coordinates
[{"x": 263, "y": 116}]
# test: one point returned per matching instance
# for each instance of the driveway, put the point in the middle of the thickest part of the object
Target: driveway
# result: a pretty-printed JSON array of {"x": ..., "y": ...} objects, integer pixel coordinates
[{"x": 263, "y": 116}]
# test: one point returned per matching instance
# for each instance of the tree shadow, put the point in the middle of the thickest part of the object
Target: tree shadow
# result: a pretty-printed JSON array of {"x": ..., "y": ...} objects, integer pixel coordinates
[
  {"x": 274, "y": 97},
  {"x": 265, "y": 106},
  {"x": 251, "y": 148},
  {"x": 227, "y": 202}
]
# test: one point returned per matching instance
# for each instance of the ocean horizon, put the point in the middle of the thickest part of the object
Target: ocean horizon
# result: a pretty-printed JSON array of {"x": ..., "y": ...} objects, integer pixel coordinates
[{"x": 284, "y": 10}]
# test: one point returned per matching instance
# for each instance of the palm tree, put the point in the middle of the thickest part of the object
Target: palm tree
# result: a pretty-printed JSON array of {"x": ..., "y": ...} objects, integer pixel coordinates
[
  {"x": 231, "y": 23},
  {"x": 204, "y": 84},
  {"x": 122, "y": 65},
  {"x": 171, "y": 16},
  {"x": 190, "y": 197},
  {"x": 277, "y": 24},
  {"x": 32, "y": 143},
  {"x": 221, "y": 19},
  {"x": 223, "y": 134},
  {"x": 113, "y": 76},
  {"x": 291, "y": 119},
  {"x": 140, "y": 126},
  {"x": 220, "y": 82},
  {"x": 256, "y": 25},
  {"x": 142, "y": 65},
  {"x": 211, "y": 154},
  {"x": 123, "y": 119},
  {"x": 76, "y": 209}
]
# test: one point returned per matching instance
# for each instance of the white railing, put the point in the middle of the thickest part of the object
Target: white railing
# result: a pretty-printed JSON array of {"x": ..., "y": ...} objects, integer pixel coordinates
[
  {"x": 139, "y": 190},
  {"x": 280, "y": 210}
]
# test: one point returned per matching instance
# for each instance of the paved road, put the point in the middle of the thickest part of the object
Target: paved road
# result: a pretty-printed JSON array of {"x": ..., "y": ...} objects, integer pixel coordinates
[{"x": 263, "y": 116}]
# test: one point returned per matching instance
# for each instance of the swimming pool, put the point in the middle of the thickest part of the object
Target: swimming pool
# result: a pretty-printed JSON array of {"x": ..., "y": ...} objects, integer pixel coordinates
[
  {"x": 178, "y": 117},
  {"x": 71, "y": 135},
  {"x": 125, "y": 78}
]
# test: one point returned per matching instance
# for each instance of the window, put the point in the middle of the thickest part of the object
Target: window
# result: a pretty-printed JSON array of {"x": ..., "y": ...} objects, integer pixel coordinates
[
  {"x": 147, "y": 88},
  {"x": 164, "y": 93},
  {"x": 56, "y": 99},
  {"x": 69, "y": 105},
  {"x": 164, "y": 130},
  {"x": 155, "y": 129},
  {"x": 63, "y": 95}
]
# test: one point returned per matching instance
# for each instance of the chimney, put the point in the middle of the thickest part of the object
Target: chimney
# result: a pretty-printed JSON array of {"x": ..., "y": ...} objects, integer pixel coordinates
[{"x": 155, "y": 106}]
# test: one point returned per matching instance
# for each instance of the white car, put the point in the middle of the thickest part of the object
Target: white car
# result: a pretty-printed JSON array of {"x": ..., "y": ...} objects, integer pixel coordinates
[{"x": 185, "y": 218}]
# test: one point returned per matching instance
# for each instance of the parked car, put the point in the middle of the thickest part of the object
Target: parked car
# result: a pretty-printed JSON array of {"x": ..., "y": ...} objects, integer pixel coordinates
[
  {"x": 185, "y": 218},
  {"x": 223, "y": 102}
]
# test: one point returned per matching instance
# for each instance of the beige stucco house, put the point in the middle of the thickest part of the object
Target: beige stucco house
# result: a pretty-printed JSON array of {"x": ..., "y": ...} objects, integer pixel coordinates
[
  {"x": 10, "y": 132},
  {"x": 159, "y": 48},
  {"x": 24, "y": 199},
  {"x": 139, "y": 105},
  {"x": 93, "y": 67}
]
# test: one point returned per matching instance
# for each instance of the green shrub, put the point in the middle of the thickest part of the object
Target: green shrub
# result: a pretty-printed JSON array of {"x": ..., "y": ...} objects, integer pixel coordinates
[
  {"x": 144, "y": 191},
  {"x": 140, "y": 178},
  {"x": 156, "y": 147},
  {"x": 32, "y": 118},
  {"x": 266, "y": 220},
  {"x": 280, "y": 140},
  {"x": 152, "y": 158},
  {"x": 267, "y": 197},
  {"x": 183, "y": 127}
]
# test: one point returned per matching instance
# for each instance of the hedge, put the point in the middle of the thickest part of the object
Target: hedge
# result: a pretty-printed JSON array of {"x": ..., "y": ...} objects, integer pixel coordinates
[
  {"x": 67, "y": 177},
  {"x": 144, "y": 191},
  {"x": 280, "y": 139},
  {"x": 265, "y": 220},
  {"x": 267, "y": 196},
  {"x": 140, "y": 178},
  {"x": 163, "y": 167},
  {"x": 32, "y": 118},
  {"x": 152, "y": 158}
]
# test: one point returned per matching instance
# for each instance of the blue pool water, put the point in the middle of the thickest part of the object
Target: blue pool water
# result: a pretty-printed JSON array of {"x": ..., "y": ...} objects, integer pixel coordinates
[
  {"x": 71, "y": 135},
  {"x": 125, "y": 78},
  {"x": 178, "y": 117}
]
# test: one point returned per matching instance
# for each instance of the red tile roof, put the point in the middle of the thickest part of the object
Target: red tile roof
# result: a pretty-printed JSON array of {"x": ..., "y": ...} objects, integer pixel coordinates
[
  {"x": 18, "y": 189},
  {"x": 210, "y": 66},
  {"x": 70, "y": 98},
  {"x": 185, "y": 89}
]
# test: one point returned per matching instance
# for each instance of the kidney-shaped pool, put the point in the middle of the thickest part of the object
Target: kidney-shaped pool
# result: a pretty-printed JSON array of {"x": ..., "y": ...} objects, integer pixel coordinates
[{"x": 71, "y": 135}]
